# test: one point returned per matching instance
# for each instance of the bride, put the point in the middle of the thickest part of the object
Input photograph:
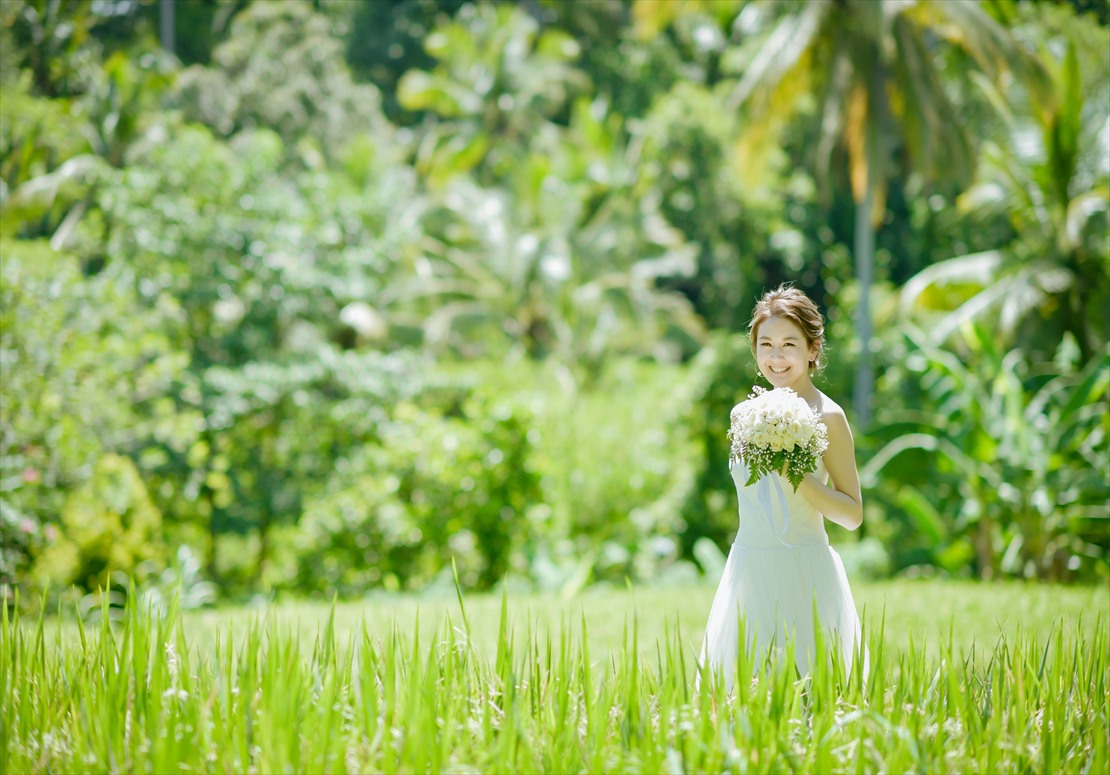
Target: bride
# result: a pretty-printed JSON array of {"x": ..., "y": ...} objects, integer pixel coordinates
[{"x": 781, "y": 568}]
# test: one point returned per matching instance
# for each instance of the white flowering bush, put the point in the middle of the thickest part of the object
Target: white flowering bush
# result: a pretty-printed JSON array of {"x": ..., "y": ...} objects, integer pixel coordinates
[{"x": 777, "y": 428}]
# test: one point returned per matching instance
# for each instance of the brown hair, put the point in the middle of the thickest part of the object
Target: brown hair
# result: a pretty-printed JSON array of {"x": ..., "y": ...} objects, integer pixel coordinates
[{"x": 793, "y": 305}]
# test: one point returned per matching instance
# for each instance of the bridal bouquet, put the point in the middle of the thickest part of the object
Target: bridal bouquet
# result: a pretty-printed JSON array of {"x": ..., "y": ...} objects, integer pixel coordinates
[{"x": 774, "y": 428}]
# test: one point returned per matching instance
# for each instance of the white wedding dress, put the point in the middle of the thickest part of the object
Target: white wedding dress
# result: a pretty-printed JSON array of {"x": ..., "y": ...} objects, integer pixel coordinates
[{"x": 779, "y": 567}]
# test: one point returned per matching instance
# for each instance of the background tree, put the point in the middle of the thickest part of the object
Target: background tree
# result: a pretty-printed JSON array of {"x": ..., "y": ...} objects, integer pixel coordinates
[
  {"x": 499, "y": 78},
  {"x": 329, "y": 317},
  {"x": 1017, "y": 451},
  {"x": 1046, "y": 175},
  {"x": 307, "y": 97},
  {"x": 384, "y": 40},
  {"x": 870, "y": 69}
]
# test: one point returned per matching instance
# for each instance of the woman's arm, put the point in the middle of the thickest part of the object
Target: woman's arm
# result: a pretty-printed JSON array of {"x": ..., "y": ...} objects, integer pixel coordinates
[{"x": 842, "y": 502}]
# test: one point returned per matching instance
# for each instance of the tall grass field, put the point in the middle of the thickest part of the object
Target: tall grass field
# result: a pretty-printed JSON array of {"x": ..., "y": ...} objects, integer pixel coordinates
[{"x": 962, "y": 678}]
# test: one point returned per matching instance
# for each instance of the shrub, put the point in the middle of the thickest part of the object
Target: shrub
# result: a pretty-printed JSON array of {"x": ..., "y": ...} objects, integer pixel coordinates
[
  {"x": 109, "y": 525},
  {"x": 435, "y": 488}
]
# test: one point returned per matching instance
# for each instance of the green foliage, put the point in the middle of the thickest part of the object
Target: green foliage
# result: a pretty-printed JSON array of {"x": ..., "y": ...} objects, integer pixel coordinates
[
  {"x": 182, "y": 583},
  {"x": 689, "y": 138},
  {"x": 436, "y": 489},
  {"x": 50, "y": 40},
  {"x": 499, "y": 79},
  {"x": 268, "y": 319},
  {"x": 123, "y": 96},
  {"x": 273, "y": 433},
  {"x": 585, "y": 489},
  {"x": 567, "y": 258},
  {"x": 1047, "y": 174},
  {"x": 627, "y": 71},
  {"x": 614, "y": 466},
  {"x": 282, "y": 68},
  {"x": 108, "y": 524},
  {"x": 47, "y": 169},
  {"x": 721, "y": 377},
  {"x": 36, "y": 134},
  {"x": 82, "y": 363},
  {"x": 1020, "y": 460},
  {"x": 386, "y": 39}
]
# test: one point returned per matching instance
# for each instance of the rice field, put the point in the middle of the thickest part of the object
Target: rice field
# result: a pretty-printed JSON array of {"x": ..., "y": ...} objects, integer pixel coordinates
[{"x": 962, "y": 678}]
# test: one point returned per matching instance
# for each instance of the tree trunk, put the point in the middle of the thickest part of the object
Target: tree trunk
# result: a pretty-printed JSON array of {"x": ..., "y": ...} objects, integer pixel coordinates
[
  {"x": 166, "y": 26},
  {"x": 263, "y": 551},
  {"x": 984, "y": 547},
  {"x": 211, "y": 568},
  {"x": 865, "y": 262}
]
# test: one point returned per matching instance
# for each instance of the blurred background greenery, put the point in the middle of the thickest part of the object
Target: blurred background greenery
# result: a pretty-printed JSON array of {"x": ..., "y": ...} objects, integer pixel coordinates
[{"x": 316, "y": 297}]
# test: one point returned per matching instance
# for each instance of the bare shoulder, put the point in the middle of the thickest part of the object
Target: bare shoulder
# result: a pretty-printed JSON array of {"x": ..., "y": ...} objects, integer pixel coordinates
[{"x": 832, "y": 414}]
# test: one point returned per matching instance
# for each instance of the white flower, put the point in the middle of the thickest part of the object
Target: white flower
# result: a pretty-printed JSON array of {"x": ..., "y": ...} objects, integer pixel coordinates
[{"x": 772, "y": 423}]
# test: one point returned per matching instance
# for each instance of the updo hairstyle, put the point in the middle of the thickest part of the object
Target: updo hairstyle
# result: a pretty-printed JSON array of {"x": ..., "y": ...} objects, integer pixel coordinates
[{"x": 793, "y": 305}]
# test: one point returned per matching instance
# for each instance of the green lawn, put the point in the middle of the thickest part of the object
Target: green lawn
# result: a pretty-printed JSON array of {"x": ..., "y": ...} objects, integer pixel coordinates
[
  {"x": 924, "y": 610},
  {"x": 964, "y": 678}
]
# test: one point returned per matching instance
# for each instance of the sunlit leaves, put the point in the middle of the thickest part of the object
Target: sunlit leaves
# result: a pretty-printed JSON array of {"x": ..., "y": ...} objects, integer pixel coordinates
[
  {"x": 498, "y": 80},
  {"x": 83, "y": 365},
  {"x": 1046, "y": 175}
]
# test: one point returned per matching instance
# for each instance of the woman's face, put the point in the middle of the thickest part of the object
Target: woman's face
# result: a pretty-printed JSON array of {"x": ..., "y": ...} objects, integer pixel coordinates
[{"x": 782, "y": 353}]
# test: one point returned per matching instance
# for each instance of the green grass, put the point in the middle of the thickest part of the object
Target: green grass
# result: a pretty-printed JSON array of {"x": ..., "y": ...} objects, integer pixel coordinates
[
  {"x": 964, "y": 677},
  {"x": 923, "y": 610}
]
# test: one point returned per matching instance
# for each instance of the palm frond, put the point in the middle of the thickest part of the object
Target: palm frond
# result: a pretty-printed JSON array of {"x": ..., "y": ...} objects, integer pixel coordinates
[
  {"x": 930, "y": 122},
  {"x": 780, "y": 53},
  {"x": 1014, "y": 296},
  {"x": 976, "y": 268},
  {"x": 994, "y": 49},
  {"x": 1080, "y": 210},
  {"x": 445, "y": 321}
]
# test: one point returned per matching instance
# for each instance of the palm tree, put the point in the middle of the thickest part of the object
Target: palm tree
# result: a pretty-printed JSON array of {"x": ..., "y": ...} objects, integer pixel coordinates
[
  {"x": 1048, "y": 176},
  {"x": 165, "y": 25},
  {"x": 870, "y": 65}
]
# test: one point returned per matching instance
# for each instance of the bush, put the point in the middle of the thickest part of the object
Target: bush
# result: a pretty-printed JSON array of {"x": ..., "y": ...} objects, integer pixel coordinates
[
  {"x": 1016, "y": 455},
  {"x": 721, "y": 376},
  {"x": 613, "y": 464},
  {"x": 436, "y": 487},
  {"x": 81, "y": 366},
  {"x": 109, "y": 525}
]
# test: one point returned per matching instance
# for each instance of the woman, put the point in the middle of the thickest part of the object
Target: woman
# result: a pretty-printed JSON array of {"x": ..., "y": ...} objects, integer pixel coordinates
[{"x": 781, "y": 566}]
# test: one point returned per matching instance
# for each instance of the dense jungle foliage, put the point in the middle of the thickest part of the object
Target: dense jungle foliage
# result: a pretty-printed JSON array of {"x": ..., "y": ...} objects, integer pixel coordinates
[{"x": 317, "y": 297}]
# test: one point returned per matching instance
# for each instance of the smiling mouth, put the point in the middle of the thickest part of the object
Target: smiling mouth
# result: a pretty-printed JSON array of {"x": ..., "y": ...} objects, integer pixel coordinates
[{"x": 779, "y": 371}]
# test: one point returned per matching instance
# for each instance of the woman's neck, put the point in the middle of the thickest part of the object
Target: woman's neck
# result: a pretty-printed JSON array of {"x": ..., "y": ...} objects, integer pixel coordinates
[{"x": 808, "y": 391}]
